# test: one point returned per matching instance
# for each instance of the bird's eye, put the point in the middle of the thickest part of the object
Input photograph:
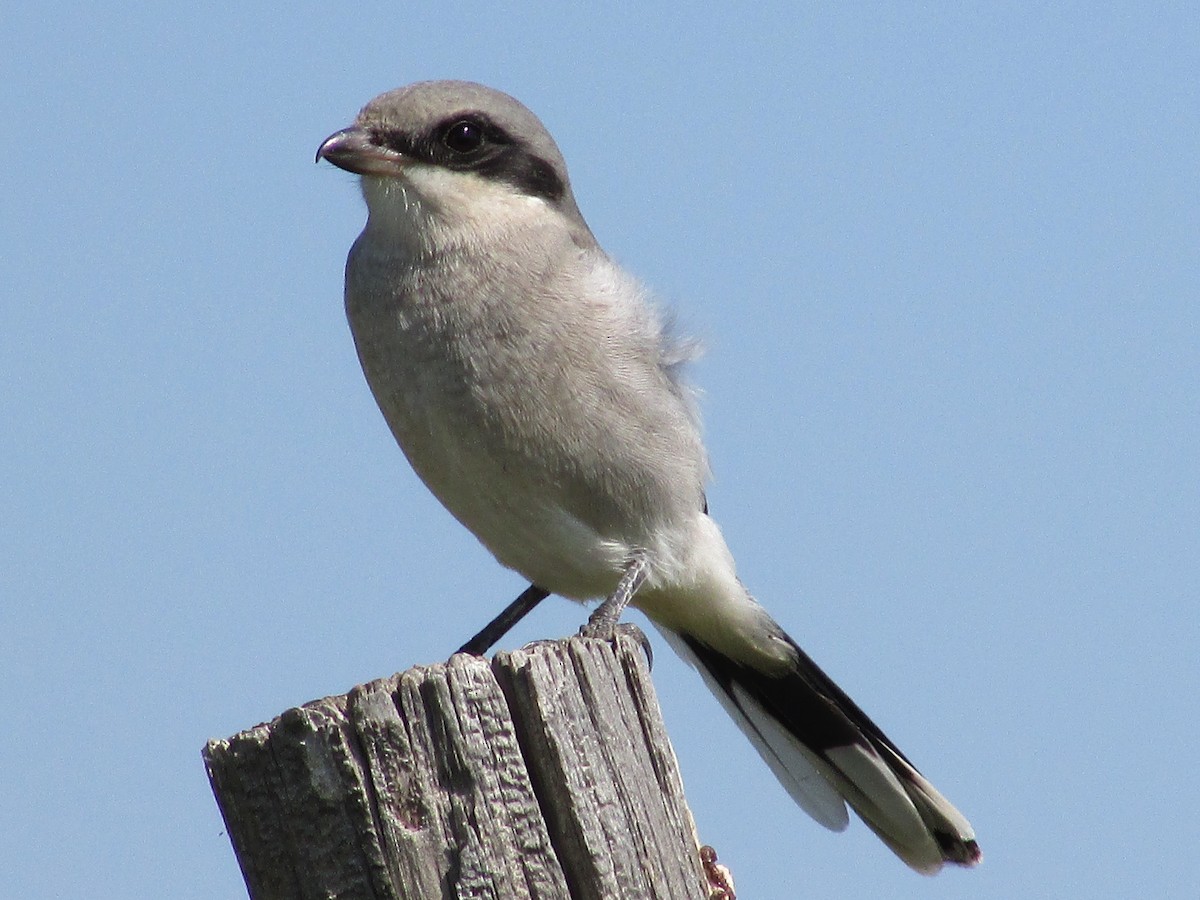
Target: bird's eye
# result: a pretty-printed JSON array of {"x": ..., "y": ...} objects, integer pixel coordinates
[{"x": 463, "y": 137}]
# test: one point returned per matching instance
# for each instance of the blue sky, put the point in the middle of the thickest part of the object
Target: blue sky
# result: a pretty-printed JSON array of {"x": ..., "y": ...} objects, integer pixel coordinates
[{"x": 945, "y": 259}]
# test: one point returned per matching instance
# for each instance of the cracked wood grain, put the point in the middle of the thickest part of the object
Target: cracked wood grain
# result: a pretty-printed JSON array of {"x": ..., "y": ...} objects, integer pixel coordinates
[{"x": 544, "y": 774}]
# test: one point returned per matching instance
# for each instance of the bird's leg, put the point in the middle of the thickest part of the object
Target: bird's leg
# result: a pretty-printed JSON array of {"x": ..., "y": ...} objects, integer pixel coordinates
[
  {"x": 500, "y": 626},
  {"x": 602, "y": 623}
]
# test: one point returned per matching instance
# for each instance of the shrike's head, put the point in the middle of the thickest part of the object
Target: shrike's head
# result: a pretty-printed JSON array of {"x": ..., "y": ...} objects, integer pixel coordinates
[{"x": 444, "y": 156}]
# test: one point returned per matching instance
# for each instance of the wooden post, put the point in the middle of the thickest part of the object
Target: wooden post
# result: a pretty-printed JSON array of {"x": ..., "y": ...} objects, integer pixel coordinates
[{"x": 544, "y": 773}]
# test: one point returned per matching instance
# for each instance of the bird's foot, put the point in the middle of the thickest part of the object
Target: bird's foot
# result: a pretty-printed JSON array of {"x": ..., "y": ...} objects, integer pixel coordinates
[{"x": 603, "y": 622}]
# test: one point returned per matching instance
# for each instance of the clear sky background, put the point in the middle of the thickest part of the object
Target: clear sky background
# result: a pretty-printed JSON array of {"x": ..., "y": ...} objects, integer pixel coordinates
[{"x": 945, "y": 259}]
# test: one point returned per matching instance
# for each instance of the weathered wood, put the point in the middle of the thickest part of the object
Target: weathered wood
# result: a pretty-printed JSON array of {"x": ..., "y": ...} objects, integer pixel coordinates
[{"x": 544, "y": 774}]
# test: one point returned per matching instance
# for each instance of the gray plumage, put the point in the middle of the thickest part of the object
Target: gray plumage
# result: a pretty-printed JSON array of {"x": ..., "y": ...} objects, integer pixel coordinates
[{"x": 536, "y": 390}]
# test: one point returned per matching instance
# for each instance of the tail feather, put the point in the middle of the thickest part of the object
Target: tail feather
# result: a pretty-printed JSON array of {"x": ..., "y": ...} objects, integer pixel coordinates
[{"x": 825, "y": 750}]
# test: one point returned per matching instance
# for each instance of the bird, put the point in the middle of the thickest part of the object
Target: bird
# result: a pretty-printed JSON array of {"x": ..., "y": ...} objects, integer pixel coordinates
[{"x": 539, "y": 391}]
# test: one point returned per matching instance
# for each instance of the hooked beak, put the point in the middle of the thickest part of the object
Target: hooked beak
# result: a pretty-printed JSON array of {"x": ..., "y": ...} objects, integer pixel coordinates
[{"x": 355, "y": 150}]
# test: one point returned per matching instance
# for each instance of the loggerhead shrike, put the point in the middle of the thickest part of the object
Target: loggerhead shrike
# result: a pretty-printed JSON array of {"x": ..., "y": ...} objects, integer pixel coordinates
[{"x": 536, "y": 390}]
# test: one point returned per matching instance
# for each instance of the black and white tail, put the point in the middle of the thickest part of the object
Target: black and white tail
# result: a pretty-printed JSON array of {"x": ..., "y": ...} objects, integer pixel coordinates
[{"x": 827, "y": 752}]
